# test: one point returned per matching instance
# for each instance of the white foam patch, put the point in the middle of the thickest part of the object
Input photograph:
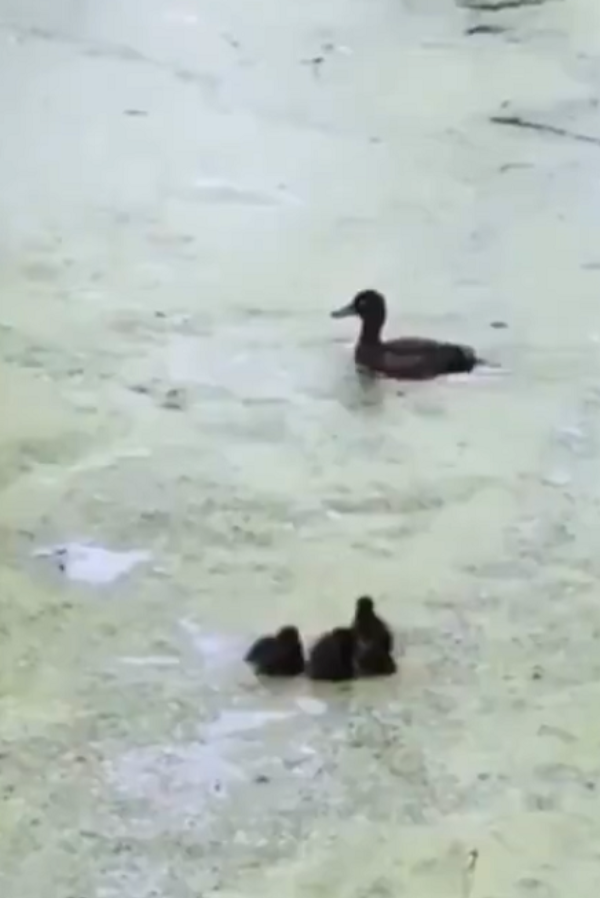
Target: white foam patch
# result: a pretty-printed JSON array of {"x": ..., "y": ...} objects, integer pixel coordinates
[
  {"x": 150, "y": 661},
  {"x": 230, "y": 723},
  {"x": 311, "y": 706},
  {"x": 216, "y": 190},
  {"x": 213, "y": 649},
  {"x": 89, "y": 563}
]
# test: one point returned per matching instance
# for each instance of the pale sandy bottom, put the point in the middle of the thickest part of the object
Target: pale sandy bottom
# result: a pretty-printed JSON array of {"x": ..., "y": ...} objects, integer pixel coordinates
[{"x": 185, "y": 196}]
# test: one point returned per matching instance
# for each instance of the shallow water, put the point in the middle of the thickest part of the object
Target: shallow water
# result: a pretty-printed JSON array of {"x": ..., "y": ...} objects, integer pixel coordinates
[{"x": 187, "y": 191}]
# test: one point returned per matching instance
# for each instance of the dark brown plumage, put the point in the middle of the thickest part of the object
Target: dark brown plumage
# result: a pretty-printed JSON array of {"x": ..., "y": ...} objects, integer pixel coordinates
[
  {"x": 373, "y": 641},
  {"x": 279, "y": 655},
  {"x": 371, "y": 660},
  {"x": 332, "y": 656},
  {"x": 406, "y": 358},
  {"x": 369, "y": 627}
]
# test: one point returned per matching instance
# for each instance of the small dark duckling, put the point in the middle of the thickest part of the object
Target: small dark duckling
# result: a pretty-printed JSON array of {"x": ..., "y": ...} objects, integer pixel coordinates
[
  {"x": 372, "y": 660},
  {"x": 280, "y": 655},
  {"x": 369, "y": 628},
  {"x": 373, "y": 641},
  {"x": 407, "y": 358},
  {"x": 332, "y": 656}
]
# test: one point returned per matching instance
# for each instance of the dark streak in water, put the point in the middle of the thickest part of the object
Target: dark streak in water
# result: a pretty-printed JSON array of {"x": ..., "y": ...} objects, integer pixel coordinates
[
  {"x": 485, "y": 29},
  {"x": 516, "y": 121},
  {"x": 499, "y": 5}
]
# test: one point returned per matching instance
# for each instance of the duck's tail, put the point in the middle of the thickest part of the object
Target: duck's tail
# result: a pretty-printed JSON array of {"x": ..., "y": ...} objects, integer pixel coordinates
[
  {"x": 485, "y": 363},
  {"x": 463, "y": 359}
]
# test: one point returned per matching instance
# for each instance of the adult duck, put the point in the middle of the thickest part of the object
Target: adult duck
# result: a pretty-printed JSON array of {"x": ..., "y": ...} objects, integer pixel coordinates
[{"x": 406, "y": 358}]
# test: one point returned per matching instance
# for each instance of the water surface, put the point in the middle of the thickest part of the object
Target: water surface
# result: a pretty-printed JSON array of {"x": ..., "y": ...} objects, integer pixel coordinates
[{"x": 186, "y": 194}]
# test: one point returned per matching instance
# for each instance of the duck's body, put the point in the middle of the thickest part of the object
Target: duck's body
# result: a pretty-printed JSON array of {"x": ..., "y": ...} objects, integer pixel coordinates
[
  {"x": 279, "y": 655},
  {"x": 406, "y": 358},
  {"x": 332, "y": 656}
]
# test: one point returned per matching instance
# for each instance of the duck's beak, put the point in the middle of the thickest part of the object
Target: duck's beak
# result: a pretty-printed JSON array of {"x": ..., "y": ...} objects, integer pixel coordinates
[{"x": 345, "y": 311}]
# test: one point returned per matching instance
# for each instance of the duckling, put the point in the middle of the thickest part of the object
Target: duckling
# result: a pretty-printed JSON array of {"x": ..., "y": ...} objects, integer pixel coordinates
[
  {"x": 369, "y": 628},
  {"x": 372, "y": 660},
  {"x": 406, "y": 358},
  {"x": 332, "y": 656},
  {"x": 278, "y": 655}
]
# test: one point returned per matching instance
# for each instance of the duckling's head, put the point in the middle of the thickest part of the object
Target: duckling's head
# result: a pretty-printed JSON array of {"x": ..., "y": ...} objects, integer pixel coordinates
[
  {"x": 369, "y": 305},
  {"x": 289, "y": 636},
  {"x": 365, "y": 606}
]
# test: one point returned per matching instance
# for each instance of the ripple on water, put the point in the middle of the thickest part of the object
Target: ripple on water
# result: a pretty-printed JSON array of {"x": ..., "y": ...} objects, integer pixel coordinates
[{"x": 214, "y": 190}]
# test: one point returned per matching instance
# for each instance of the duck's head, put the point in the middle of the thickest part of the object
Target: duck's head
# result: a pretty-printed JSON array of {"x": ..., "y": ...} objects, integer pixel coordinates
[{"x": 369, "y": 305}]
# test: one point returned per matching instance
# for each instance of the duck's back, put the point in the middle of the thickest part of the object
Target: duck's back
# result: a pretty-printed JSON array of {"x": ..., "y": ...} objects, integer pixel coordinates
[{"x": 415, "y": 358}]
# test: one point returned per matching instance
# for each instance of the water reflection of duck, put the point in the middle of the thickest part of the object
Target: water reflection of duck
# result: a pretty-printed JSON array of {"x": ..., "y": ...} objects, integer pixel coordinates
[
  {"x": 279, "y": 655},
  {"x": 373, "y": 641},
  {"x": 406, "y": 358},
  {"x": 332, "y": 656}
]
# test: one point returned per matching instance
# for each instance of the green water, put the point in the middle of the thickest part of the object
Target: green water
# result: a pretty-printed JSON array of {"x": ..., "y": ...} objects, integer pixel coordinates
[{"x": 185, "y": 197}]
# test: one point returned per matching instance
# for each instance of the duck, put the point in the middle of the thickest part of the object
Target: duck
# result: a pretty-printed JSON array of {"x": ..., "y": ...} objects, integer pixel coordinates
[
  {"x": 405, "y": 358},
  {"x": 373, "y": 641},
  {"x": 280, "y": 654},
  {"x": 332, "y": 656},
  {"x": 372, "y": 660},
  {"x": 369, "y": 628}
]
